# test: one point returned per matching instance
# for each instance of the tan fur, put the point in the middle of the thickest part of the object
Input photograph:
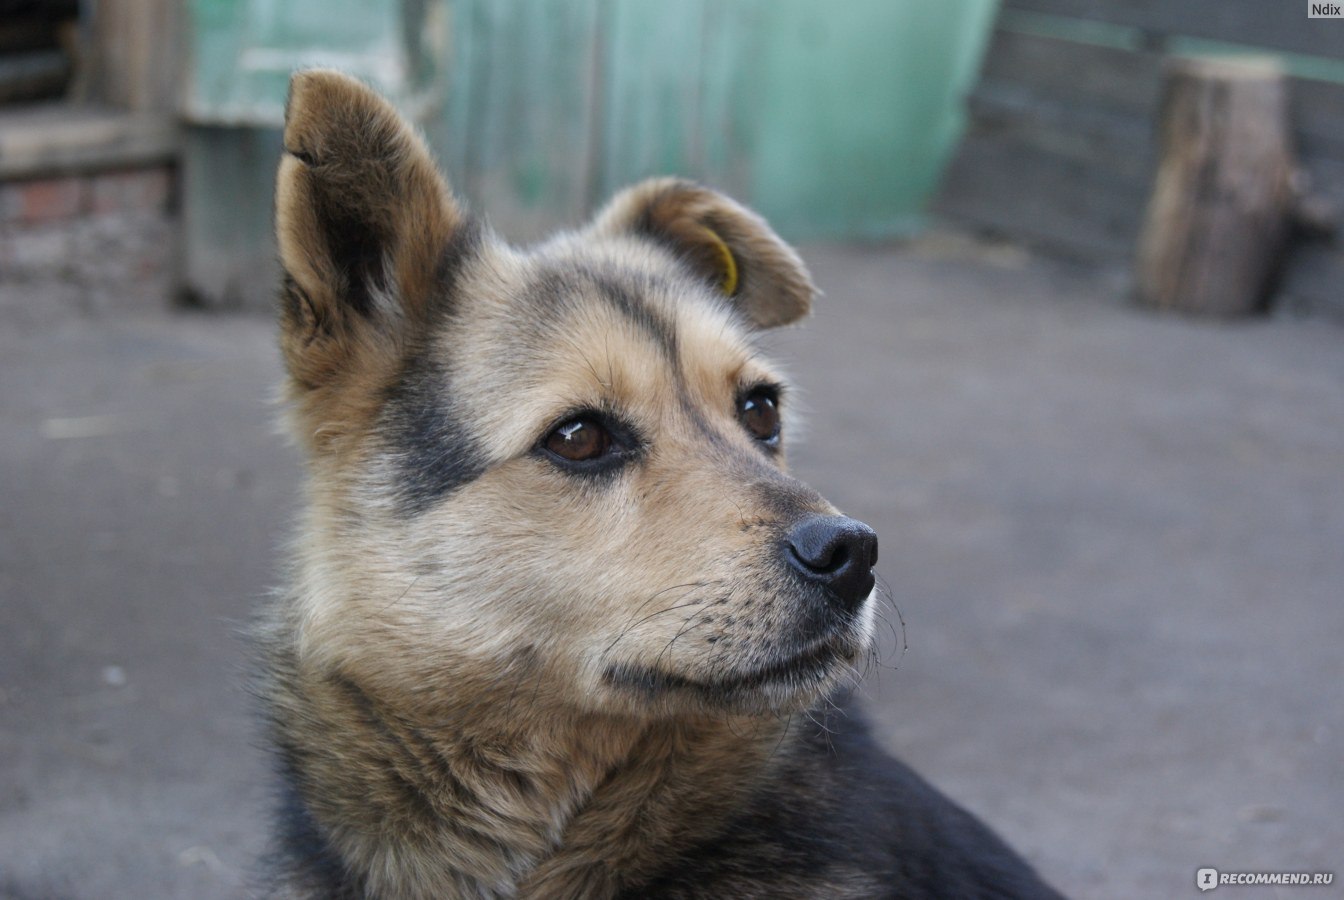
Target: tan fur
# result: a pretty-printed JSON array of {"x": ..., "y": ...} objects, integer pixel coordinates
[{"x": 442, "y": 680}]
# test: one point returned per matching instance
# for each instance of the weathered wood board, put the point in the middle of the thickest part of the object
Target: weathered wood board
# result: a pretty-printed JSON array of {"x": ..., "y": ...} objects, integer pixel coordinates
[
  {"x": 1061, "y": 147},
  {"x": 1271, "y": 24}
]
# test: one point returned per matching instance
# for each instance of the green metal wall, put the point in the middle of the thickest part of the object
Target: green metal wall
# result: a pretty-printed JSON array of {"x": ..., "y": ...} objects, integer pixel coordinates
[
  {"x": 860, "y": 107},
  {"x": 241, "y": 53},
  {"x": 834, "y": 119}
]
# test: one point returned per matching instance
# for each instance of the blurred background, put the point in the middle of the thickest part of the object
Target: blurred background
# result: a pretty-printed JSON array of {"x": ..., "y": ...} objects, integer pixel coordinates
[{"x": 1080, "y": 362}]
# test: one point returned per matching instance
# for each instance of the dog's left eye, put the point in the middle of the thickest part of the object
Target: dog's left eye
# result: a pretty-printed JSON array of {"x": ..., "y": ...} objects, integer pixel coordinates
[
  {"x": 759, "y": 412},
  {"x": 578, "y": 440}
]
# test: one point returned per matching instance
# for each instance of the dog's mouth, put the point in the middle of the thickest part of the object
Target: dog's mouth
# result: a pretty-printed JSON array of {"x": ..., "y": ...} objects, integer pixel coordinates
[{"x": 800, "y": 671}]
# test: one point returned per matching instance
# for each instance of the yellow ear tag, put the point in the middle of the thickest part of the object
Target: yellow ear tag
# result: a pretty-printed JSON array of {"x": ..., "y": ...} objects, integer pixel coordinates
[{"x": 728, "y": 284}]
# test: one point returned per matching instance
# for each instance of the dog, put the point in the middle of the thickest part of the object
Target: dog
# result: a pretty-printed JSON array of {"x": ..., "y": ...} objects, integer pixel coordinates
[{"x": 559, "y": 624}]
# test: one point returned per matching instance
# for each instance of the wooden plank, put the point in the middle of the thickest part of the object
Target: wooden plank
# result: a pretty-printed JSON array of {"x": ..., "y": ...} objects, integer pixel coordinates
[
  {"x": 33, "y": 75},
  {"x": 1003, "y": 182},
  {"x": 1316, "y": 109},
  {"x": 1122, "y": 145},
  {"x": 59, "y": 138},
  {"x": 1056, "y": 70},
  {"x": 1060, "y": 152},
  {"x": 1049, "y": 101},
  {"x": 137, "y": 55},
  {"x": 1261, "y": 23},
  {"x": 1072, "y": 73}
]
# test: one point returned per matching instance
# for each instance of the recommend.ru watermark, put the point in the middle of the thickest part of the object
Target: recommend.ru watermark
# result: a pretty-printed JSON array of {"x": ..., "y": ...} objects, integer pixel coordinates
[{"x": 1208, "y": 879}]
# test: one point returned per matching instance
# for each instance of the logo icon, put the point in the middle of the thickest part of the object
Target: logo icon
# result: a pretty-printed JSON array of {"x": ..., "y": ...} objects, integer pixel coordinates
[{"x": 1206, "y": 879}]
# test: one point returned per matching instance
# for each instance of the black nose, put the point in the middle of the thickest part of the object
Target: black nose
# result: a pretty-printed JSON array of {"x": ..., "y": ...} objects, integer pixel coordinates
[{"x": 836, "y": 552}]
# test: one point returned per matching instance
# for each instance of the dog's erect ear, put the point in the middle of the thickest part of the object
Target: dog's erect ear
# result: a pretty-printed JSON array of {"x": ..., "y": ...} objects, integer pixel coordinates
[
  {"x": 724, "y": 241},
  {"x": 363, "y": 220}
]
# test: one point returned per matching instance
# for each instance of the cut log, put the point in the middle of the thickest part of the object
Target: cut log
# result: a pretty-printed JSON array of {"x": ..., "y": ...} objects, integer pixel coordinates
[{"x": 1218, "y": 221}]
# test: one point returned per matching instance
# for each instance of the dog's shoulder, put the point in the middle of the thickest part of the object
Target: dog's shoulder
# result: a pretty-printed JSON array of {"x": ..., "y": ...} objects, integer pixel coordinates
[
  {"x": 301, "y": 863},
  {"x": 842, "y": 818}
]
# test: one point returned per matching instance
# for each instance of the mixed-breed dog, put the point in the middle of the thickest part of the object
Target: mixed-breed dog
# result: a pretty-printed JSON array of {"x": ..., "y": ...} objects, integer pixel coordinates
[{"x": 558, "y": 623}]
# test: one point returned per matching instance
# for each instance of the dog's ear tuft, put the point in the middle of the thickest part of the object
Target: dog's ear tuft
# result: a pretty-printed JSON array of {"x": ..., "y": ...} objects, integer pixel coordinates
[
  {"x": 728, "y": 244},
  {"x": 363, "y": 219}
]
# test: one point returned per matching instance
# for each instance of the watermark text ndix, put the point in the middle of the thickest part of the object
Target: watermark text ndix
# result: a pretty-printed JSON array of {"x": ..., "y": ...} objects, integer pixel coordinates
[
  {"x": 1208, "y": 879},
  {"x": 1318, "y": 10}
]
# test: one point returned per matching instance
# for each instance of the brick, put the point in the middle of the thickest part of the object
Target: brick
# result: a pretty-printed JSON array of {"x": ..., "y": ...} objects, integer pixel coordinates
[
  {"x": 51, "y": 199},
  {"x": 136, "y": 190},
  {"x": 156, "y": 189},
  {"x": 105, "y": 193},
  {"x": 11, "y": 202},
  {"x": 37, "y": 252}
]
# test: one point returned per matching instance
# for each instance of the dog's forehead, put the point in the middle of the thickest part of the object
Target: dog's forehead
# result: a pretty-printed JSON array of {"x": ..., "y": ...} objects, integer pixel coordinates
[{"x": 614, "y": 324}]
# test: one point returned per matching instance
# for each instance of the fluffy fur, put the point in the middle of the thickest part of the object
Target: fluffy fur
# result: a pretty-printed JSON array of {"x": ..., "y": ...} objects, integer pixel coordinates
[{"x": 497, "y": 674}]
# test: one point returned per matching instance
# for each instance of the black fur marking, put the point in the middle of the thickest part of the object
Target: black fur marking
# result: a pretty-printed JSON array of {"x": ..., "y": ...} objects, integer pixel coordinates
[
  {"x": 303, "y": 849},
  {"x": 464, "y": 246},
  {"x": 354, "y": 245},
  {"x": 627, "y": 301},
  {"x": 696, "y": 417},
  {"x": 298, "y": 310},
  {"x": 841, "y": 818},
  {"x": 435, "y": 452},
  {"x": 294, "y": 304},
  {"x": 562, "y": 288},
  {"x": 807, "y": 666}
]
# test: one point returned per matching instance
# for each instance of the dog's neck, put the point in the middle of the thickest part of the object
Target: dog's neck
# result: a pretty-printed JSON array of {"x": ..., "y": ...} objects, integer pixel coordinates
[{"x": 576, "y": 805}]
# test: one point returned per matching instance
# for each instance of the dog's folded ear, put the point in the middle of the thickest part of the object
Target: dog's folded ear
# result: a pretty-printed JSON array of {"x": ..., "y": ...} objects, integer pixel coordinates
[
  {"x": 363, "y": 221},
  {"x": 726, "y": 243}
]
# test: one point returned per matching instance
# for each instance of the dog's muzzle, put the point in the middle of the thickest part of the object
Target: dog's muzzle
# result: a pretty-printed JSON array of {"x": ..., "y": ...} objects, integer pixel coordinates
[{"x": 836, "y": 553}]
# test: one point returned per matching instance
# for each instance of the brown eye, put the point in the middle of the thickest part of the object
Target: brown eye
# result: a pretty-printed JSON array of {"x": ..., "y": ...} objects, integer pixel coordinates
[
  {"x": 579, "y": 440},
  {"x": 759, "y": 412}
]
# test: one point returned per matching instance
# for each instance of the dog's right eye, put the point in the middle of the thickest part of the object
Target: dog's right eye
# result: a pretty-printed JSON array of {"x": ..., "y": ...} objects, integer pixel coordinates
[
  {"x": 578, "y": 440},
  {"x": 758, "y": 411}
]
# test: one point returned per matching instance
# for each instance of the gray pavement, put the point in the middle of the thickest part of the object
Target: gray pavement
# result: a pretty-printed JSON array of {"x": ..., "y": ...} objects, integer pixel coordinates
[{"x": 1116, "y": 540}]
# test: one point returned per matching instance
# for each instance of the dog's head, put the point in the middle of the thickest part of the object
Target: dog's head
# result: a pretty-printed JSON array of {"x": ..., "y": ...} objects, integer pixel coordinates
[{"x": 557, "y": 472}]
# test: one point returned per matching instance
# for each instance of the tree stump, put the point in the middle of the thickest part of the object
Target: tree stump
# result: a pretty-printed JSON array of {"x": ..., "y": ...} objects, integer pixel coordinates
[{"x": 1218, "y": 221}]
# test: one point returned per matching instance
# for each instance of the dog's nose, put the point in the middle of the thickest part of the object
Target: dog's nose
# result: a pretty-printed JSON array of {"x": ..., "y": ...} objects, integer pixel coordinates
[{"x": 836, "y": 552}]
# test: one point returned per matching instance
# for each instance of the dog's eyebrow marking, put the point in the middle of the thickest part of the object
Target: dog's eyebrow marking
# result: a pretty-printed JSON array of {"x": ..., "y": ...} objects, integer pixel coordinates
[
  {"x": 435, "y": 453},
  {"x": 625, "y": 300},
  {"x": 698, "y": 420}
]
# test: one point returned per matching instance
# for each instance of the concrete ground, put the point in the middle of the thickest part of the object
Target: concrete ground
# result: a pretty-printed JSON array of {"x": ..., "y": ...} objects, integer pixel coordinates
[{"x": 1116, "y": 540}]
